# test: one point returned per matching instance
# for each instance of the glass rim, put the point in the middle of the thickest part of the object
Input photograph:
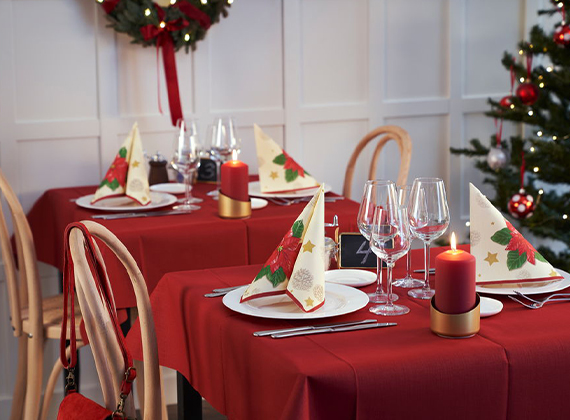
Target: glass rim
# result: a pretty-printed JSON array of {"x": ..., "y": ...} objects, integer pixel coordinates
[
  {"x": 379, "y": 181},
  {"x": 428, "y": 180}
]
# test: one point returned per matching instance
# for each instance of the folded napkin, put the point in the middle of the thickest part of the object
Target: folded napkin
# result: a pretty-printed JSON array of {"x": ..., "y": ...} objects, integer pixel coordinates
[
  {"x": 278, "y": 172},
  {"x": 502, "y": 254},
  {"x": 127, "y": 174},
  {"x": 297, "y": 266}
]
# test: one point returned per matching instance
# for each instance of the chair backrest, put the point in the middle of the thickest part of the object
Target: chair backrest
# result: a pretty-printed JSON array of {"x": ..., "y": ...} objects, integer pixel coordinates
[
  {"x": 102, "y": 339},
  {"x": 389, "y": 132},
  {"x": 23, "y": 285}
]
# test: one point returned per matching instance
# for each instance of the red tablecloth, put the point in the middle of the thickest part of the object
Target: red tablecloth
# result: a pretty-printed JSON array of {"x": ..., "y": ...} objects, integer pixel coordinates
[
  {"x": 172, "y": 243},
  {"x": 517, "y": 367}
]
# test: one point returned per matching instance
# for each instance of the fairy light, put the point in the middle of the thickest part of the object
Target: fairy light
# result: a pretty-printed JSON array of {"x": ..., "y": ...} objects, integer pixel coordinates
[
  {"x": 162, "y": 24},
  {"x": 172, "y": 1},
  {"x": 545, "y": 49},
  {"x": 521, "y": 52},
  {"x": 554, "y": 138},
  {"x": 565, "y": 216},
  {"x": 540, "y": 77},
  {"x": 531, "y": 46},
  {"x": 100, "y": 1},
  {"x": 532, "y": 149},
  {"x": 468, "y": 223},
  {"x": 187, "y": 37},
  {"x": 230, "y": 1},
  {"x": 147, "y": 12},
  {"x": 530, "y": 113},
  {"x": 561, "y": 5},
  {"x": 541, "y": 191},
  {"x": 539, "y": 133},
  {"x": 549, "y": 69},
  {"x": 541, "y": 85},
  {"x": 204, "y": 1},
  {"x": 512, "y": 106},
  {"x": 535, "y": 169},
  {"x": 521, "y": 79}
]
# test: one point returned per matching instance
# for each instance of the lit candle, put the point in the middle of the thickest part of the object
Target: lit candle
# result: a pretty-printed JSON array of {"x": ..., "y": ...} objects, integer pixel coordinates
[
  {"x": 235, "y": 179},
  {"x": 454, "y": 280}
]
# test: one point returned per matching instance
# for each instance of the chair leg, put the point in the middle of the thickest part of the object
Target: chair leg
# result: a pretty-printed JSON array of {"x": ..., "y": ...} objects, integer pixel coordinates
[
  {"x": 162, "y": 398},
  {"x": 35, "y": 375},
  {"x": 140, "y": 390},
  {"x": 21, "y": 377}
]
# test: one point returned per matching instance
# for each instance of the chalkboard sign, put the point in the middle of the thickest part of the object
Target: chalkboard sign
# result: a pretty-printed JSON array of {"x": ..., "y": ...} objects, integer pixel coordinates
[
  {"x": 207, "y": 171},
  {"x": 354, "y": 251}
]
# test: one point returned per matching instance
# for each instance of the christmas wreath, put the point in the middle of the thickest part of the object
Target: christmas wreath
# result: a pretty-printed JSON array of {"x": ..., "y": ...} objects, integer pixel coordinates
[{"x": 166, "y": 24}]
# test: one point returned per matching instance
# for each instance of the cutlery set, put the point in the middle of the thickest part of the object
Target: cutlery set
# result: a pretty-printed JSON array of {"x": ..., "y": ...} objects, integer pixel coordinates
[
  {"x": 138, "y": 214},
  {"x": 537, "y": 304},
  {"x": 280, "y": 201},
  {"x": 324, "y": 328}
]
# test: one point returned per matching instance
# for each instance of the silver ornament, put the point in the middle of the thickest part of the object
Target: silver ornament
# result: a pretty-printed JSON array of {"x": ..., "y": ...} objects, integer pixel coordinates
[{"x": 497, "y": 158}]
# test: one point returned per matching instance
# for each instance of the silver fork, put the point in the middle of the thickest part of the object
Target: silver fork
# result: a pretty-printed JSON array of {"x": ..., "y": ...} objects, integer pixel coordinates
[
  {"x": 538, "y": 304},
  {"x": 543, "y": 299}
]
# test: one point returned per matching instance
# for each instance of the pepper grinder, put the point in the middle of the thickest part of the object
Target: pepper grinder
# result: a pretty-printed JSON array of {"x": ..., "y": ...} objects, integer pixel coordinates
[{"x": 158, "y": 173}]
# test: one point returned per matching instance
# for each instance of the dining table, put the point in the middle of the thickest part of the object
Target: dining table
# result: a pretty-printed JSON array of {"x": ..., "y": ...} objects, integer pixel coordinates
[
  {"x": 193, "y": 241},
  {"x": 516, "y": 367}
]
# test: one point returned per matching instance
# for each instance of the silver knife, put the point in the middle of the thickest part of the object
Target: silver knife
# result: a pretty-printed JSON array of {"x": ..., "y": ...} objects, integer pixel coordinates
[
  {"x": 312, "y": 327},
  {"x": 431, "y": 271},
  {"x": 137, "y": 214},
  {"x": 228, "y": 289},
  {"x": 335, "y": 329}
]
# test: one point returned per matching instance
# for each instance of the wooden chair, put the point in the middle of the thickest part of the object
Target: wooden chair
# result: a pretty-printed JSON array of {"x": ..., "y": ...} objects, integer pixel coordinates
[
  {"x": 34, "y": 318},
  {"x": 102, "y": 339},
  {"x": 389, "y": 132}
]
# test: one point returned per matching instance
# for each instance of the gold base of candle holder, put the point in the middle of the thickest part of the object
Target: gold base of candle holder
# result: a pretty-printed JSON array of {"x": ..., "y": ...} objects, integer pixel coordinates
[
  {"x": 463, "y": 325},
  {"x": 228, "y": 208}
]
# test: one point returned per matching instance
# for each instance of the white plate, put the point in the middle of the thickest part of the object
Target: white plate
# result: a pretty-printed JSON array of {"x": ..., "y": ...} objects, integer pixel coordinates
[
  {"x": 339, "y": 300},
  {"x": 258, "y": 203},
  {"x": 124, "y": 203},
  {"x": 255, "y": 190},
  {"x": 354, "y": 278},
  {"x": 490, "y": 306},
  {"x": 547, "y": 288},
  {"x": 170, "y": 187}
]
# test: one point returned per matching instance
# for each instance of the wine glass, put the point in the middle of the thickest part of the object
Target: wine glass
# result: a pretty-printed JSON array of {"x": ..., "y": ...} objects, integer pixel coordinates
[
  {"x": 224, "y": 141},
  {"x": 390, "y": 240},
  {"x": 408, "y": 282},
  {"x": 429, "y": 219},
  {"x": 186, "y": 159},
  {"x": 376, "y": 193}
]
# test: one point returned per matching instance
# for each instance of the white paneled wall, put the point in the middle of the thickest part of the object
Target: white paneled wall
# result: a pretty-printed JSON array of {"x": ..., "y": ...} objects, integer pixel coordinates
[{"x": 315, "y": 74}]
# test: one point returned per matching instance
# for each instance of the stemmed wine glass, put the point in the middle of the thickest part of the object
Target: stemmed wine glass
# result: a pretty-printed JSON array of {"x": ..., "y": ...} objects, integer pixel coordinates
[
  {"x": 429, "y": 219},
  {"x": 224, "y": 141},
  {"x": 376, "y": 193},
  {"x": 407, "y": 282},
  {"x": 390, "y": 240},
  {"x": 186, "y": 159}
]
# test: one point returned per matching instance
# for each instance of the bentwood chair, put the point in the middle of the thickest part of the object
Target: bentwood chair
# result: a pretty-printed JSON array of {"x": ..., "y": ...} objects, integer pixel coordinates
[
  {"x": 34, "y": 318},
  {"x": 102, "y": 340},
  {"x": 388, "y": 132}
]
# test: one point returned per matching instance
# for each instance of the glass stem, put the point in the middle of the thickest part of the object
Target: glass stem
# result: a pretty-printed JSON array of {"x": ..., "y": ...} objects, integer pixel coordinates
[
  {"x": 426, "y": 265},
  {"x": 218, "y": 180},
  {"x": 409, "y": 264},
  {"x": 389, "y": 285},
  {"x": 379, "y": 290},
  {"x": 186, "y": 188}
]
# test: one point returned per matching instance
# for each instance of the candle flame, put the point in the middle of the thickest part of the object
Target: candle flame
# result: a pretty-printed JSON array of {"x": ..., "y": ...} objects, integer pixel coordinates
[
  {"x": 234, "y": 155},
  {"x": 453, "y": 242}
]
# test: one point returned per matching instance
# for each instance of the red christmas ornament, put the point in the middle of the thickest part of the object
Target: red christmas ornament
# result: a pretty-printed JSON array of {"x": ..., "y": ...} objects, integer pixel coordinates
[
  {"x": 521, "y": 205},
  {"x": 562, "y": 35},
  {"x": 506, "y": 102},
  {"x": 527, "y": 93}
]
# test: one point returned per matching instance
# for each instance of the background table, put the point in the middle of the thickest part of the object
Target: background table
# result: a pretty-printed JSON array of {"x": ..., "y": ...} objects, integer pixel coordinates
[
  {"x": 171, "y": 243},
  {"x": 517, "y": 367}
]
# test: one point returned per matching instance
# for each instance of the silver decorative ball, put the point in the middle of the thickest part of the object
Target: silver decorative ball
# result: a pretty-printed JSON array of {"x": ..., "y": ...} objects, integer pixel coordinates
[{"x": 497, "y": 158}]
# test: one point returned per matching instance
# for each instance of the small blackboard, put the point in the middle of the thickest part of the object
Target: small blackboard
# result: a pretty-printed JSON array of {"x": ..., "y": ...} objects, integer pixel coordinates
[
  {"x": 354, "y": 251},
  {"x": 207, "y": 171}
]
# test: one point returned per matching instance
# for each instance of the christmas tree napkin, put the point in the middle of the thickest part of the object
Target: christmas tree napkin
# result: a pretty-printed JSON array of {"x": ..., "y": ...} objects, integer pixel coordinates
[
  {"x": 127, "y": 174},
  {"x": 502, "y": 254},
  {"x": 297, "y": 266},
  {"x": 278, "y": 172}
]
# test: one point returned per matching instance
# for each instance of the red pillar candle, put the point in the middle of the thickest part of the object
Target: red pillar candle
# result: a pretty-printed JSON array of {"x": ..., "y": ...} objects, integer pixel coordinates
[
  {"x": 454, "y": 281},
  {"x": 235, "y": 179}
]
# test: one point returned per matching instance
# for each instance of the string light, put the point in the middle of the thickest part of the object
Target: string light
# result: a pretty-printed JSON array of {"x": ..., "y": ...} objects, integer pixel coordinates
[
  {"x": 532, "y": 149},
  {"x": 561, "y": 5},
  {"x": 468, "y": 223},
  {"x": 100, "y": 1},
  {"x": 172, "y": 1},
  {"x": 230, "y": 1},
  {"x": 539, "y": 133},
  {"x": 565, "y": 216},
  {"x": 162, "y": 24},
  {"x": 530, "y": 113},
  {"x": 545, "y": 49},
  {"x": 147, "y": 12},
  {"x": 531, "y": 46},
  {"x": 535, "y": 169},
  {"x": 187, "y": 37},
  {"x": 541, "y": 191},
  {"x": 521, "y": 52},
  {"x": 549, "y": 69},
  {"x": 204, "y": 1},
  {"x": 554, "y": 138},
  {"x": 541, "y": 85},
  {"x": 522, "y": 79},
  {"x": 512, "y": 106}
]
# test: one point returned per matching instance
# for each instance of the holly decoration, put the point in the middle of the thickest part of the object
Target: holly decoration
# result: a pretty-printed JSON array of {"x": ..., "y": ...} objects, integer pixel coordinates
[
  {"x": 281, "y": 262},
  {"x": 292, "y": 168},
  {"x": 520, "y": 250},
  {"x": 521, "y": 205},
  {"x": 117, "y": 173}
]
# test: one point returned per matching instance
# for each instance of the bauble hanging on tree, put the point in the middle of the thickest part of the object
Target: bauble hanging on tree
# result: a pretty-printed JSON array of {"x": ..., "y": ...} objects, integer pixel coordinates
[
  {"x": 521, "y": 205},
  {"x": 506, "y": 101},
  {"x": 562, "y": 35},
  {"x": 527, "y": 93},
  {"x": 497, "y": 158}
]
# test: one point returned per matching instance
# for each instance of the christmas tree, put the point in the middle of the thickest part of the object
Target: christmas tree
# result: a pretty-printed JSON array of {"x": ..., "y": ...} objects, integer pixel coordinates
[{"x": 538, "y": 161}]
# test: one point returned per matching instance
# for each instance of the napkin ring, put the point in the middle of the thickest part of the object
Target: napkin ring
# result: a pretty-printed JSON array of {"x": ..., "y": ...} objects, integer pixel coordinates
[
  {"x": 229, "y": 208},
  {"x": 463, "y": 325}
]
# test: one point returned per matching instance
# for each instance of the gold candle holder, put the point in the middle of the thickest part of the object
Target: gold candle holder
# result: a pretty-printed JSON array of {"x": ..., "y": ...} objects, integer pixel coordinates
[
  {"x": 463, "y": 325},
  {"x": 228, "y": 208}
]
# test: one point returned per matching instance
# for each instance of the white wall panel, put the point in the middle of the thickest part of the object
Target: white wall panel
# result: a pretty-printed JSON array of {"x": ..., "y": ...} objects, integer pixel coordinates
[
  {"x": 327, "y": 148},
  {"x": 247, "y": 46},
  {"x": 55, "y": 163},
  {"x": 490, "y": 27},
  {"x": 54, "y": 44},
  {"x": 416, "y": 49},
  {"x": 334, "y": 42}
]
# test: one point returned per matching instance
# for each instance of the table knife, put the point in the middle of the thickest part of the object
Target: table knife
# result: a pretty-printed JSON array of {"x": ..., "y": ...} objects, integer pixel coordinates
[
  {"x": 335, "y": 329},
  {"x": 137, "y": 214},
  {"x": 431, "y": 271},
  {"x": 312, "y": 327}
]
